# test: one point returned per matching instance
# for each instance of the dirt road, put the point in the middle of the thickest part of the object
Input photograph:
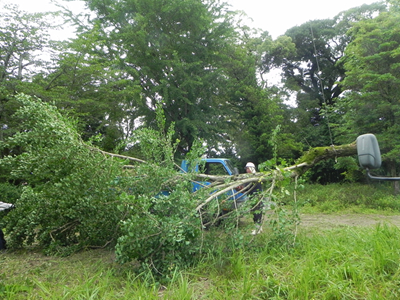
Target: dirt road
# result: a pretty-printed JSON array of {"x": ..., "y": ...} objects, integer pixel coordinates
[{"x": 362, "y": 220}]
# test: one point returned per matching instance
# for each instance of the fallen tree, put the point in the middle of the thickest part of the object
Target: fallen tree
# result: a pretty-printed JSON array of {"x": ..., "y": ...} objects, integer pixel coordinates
[
  {"x": 75, "y": 196},
  {"x": 225, "y": 183}
]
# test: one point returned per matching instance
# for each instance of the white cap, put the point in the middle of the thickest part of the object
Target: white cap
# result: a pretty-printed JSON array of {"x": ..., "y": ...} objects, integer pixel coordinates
[
  {"x": 4, "y": 206},
  {"x": 250, "y": 165}
]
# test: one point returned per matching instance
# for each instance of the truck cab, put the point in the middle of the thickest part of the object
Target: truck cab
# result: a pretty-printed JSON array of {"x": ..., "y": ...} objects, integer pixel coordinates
[
  {"x": 215, "y": 166},
  {"x": 212, "y": 166}
]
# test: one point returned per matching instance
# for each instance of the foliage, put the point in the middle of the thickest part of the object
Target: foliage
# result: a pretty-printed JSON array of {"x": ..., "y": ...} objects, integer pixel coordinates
[
  {"x": 92, "y": 87},
  {"x": 168, "y": 230},
  {"x": 66, "y": 196},
  {"x": 162, "y": 220},
  {"x": 281, "y": 222},
  {"x": 372, "y": 70},
  {"x": 23, "y": 37},
  {"x": 162, "y": 227},
  {"x": 73, "y": 197},
  {"x": 68, "y": 200},
  {"x": 195, "y": 62},
  {"x": 318, "y": 174},
  {"x": 260, "y": 106},
  {"x": 186, "y": 76},
  {"x": 312, "y": 72},
  {"x": 161, "y": 232},
  {"x": 176, "y": 50},
  {"x": 262, "y": 113},
  {"x": 74, "y": 75},
  {"x": 314, "y": 69}
]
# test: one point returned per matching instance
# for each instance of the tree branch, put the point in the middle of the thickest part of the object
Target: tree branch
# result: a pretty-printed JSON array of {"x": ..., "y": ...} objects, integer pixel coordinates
[
  {"x": 225, "y": 183},
  {"x": 119, "y": 155},
  {"x": 308, "y": 160}
]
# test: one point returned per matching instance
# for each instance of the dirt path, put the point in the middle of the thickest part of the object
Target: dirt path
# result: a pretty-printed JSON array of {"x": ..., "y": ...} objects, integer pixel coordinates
[{"x": 362, "y": 220}]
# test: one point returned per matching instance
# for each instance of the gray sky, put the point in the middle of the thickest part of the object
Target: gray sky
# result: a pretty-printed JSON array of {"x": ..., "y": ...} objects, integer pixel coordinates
[{"x": 275, "y": 16}]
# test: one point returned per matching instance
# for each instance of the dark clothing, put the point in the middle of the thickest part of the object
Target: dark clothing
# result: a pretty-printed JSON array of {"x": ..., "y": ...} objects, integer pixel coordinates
[
  {"x": 4, "y": 206},
  {"x": 2, "y": 241},
  {"x": 254, "y": 190}
]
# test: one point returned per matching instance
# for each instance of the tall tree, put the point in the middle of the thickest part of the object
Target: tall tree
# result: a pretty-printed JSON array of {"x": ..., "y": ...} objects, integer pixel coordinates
[
  {"x": 177, "y": 51},
  {"x": 314, "y": 70},
  {"x": 312, "y": 73},
  {"x": 372, "y": 62},
  {"x": 24, "y": 40},
  {"x": 258, "y": 106},
  {"x": 93, "y": 87}
]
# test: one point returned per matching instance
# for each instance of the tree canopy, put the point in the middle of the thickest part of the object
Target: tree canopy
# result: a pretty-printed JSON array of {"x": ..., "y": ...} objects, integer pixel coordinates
[{"x": 372, "y": 75}]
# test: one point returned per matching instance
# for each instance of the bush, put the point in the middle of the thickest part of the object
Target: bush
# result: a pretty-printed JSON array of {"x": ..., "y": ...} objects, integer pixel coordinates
[
  {"x": 9, "y": 193},
  {"x": 165, "y": 231},
  {"x": 66, "y": 203}
]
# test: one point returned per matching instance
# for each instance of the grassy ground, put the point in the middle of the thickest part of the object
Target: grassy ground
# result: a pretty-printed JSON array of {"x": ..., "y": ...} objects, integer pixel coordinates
[
  {"x": 350, "y": 198},
  {"x": 326, "y": 263}
]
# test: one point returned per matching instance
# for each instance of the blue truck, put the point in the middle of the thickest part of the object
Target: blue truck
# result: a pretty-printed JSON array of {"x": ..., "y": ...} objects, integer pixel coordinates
[{"x": 218, "y": 167}]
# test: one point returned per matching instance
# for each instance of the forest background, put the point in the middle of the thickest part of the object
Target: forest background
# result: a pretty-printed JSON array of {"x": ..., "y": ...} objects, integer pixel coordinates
[
  {"x": 228, "y": 101},
  {"x": 165, "y": 80}
]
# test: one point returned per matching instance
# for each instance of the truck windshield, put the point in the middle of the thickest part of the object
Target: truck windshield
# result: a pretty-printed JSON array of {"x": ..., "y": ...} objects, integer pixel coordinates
[
  {"x": 231, "y": 167},
  {"x": 215, "y": 168}
]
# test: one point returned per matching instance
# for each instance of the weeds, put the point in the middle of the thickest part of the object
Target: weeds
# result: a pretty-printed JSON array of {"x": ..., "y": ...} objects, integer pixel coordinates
[
  {"x": 344, "y": 263},
  {"x": 353, "y": 197}
]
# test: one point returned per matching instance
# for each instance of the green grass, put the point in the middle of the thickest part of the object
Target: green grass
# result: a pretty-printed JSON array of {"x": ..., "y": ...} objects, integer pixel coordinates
[
  {"x": 348, "y": 198},
  {"x": 345, "y": 263},
  {"x": 338, "y": 263}
]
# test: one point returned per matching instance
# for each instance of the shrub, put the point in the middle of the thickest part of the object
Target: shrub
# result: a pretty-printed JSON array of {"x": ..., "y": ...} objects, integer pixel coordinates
[
  {"x": 66, "y": 203},
  {"x": 9, "y": 192}
]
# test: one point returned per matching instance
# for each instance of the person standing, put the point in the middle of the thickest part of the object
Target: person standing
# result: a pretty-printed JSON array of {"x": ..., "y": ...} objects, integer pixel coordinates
[
  {"x": 4, "y": 206},
  {"x": 254, "y": 189}
]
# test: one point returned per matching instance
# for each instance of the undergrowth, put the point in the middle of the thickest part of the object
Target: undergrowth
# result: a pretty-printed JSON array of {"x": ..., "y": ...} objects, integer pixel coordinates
[
  {"x": 357, "y": 198},
  {"x": 341, "y": 263}
]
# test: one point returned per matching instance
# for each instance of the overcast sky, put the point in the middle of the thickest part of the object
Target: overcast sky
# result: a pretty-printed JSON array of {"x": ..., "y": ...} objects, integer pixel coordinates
[{"x": 275, "y": 16}]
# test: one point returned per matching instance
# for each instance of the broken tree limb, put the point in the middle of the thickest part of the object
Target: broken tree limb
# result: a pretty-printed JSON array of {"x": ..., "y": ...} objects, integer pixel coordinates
[
  {"x": 224, "y": 183},
  {"x": 123, "y": 157},
  {"x": 315, "y": 155},
  {"x": 307, "y": 161},
  {"x": 119, "y": 155}
]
